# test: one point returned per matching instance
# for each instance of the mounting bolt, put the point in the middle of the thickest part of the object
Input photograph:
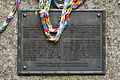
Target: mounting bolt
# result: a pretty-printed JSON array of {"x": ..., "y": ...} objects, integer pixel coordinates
[
  {"x": 98, "y": 67},
  {"x": 24, "y": 15},
  {"x": 98, "y": 15},
  {"x": 24, "y": 67}
]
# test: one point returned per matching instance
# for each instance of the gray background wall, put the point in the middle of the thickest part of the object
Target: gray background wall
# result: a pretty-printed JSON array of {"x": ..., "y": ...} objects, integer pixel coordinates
[{"x": 8, "y": 42}]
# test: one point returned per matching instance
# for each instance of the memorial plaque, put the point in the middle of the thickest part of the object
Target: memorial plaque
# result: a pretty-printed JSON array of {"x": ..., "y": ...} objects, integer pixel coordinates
[{"x": 80, "y": 50}]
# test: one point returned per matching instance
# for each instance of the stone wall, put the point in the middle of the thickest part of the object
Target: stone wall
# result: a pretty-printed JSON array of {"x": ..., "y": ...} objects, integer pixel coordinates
[{"x": 8, "y": 42}]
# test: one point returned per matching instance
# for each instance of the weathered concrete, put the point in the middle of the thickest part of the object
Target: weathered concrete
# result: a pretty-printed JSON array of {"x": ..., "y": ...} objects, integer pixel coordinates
[{"x": 8, "y": 42}]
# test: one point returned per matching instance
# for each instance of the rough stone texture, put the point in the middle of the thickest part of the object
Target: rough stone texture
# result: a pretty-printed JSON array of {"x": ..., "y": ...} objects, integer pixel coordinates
[{"x": 8, "y": 42}]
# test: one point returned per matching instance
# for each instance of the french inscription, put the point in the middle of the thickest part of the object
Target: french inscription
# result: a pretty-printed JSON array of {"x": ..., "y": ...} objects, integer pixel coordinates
[{"x": 79, "y": 49}]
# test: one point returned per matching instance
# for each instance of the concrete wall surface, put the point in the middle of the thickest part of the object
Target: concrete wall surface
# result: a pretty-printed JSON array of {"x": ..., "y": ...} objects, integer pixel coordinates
[{"x": 8, "y": 42}]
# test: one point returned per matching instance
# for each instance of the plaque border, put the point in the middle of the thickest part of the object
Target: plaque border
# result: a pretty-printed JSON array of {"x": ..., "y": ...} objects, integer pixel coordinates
[{"x": 103, "y": 72}]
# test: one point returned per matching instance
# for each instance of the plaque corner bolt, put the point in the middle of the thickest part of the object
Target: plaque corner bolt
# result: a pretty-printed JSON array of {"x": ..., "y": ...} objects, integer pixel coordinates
[
  {"x": 98, "y": 15},
  {"x": 24, "y": 15},
  {"x": 24, "y": 67}
]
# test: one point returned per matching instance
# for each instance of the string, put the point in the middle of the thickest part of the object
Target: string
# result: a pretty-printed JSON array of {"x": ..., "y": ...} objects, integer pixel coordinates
[
  {"x": 44, "y": 6},
  {"x": 10, "y": 16}
]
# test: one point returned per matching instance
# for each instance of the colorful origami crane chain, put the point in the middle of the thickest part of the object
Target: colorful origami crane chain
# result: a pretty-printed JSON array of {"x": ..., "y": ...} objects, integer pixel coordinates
[
  {"x": 44, "y": 6},
  {"x": 10, "y": 16}
]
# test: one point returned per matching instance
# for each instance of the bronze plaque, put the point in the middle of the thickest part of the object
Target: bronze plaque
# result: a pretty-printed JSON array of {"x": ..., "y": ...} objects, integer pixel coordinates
[{"x": 80, "y": 50}]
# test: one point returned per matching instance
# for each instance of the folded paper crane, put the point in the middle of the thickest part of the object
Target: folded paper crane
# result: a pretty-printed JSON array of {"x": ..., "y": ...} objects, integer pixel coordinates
[{"x": 44, "y": 6}]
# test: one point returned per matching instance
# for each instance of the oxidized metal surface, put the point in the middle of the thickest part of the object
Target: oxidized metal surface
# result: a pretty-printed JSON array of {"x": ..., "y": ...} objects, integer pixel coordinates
[{"x": 80, "y": 50}]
